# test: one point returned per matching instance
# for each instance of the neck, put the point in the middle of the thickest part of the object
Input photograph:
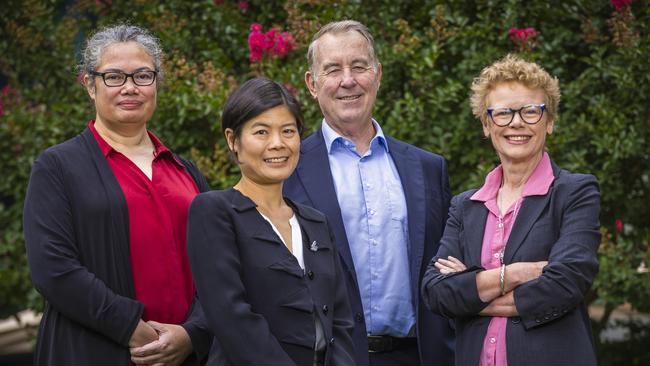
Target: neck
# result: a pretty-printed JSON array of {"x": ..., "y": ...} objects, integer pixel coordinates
[
  {"x": 516, "y": 174},
  {"x": 132, "y": 136},
  {"x": 267, "y": 197},
  {"x": 360, "y": 134}
]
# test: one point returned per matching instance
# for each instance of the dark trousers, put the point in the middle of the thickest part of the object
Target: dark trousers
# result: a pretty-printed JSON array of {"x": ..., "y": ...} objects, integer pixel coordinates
[{"x": 406, "y": 356}]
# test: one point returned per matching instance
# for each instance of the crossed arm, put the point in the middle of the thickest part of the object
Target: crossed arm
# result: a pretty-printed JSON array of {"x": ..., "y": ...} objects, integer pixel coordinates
[{"x": 488, "y": 283}]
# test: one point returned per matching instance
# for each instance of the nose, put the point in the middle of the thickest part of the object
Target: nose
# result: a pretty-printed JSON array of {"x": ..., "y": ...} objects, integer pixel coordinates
[
  {"x": 129, "y": 85},
  {"x": 347, "y": 79},
  {"x": 517, "y": 121},
  {"x": 276, "y": 141}
]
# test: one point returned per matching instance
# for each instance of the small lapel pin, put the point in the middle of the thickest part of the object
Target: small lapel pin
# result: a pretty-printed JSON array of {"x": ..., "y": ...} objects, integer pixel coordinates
[{"x": 314, "y": 246}]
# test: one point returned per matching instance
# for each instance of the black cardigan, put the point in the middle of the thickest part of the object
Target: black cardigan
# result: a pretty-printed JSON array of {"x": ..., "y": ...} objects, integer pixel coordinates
[{"x": 76, "y": 230}]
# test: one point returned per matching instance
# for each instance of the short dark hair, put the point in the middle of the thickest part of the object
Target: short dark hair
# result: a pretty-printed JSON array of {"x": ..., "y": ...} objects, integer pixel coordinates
[{"x": 255, "y": 97}]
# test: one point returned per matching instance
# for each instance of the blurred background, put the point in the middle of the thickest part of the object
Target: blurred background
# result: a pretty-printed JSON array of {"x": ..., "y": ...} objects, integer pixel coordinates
[{"x": 430, "y": 51}]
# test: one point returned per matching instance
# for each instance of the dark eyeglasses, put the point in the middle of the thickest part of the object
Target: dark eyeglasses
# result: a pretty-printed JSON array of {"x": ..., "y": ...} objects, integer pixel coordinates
[
  {"x": 530, "y": 114},
  {"x": 118, "y": 78}
]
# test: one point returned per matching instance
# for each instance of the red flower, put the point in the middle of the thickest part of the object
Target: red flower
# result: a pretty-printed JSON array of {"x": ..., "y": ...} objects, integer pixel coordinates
[
  {"x": 271, "y": 43},
  {"x": 619, "y": 225},
  {"x": 620, "y": 4},
  {"x": 523, "y": 38},
  {"x": 243, "y": 5},
  {"x": 6, "y": 90},
  {"x": 256, "y": 43}
]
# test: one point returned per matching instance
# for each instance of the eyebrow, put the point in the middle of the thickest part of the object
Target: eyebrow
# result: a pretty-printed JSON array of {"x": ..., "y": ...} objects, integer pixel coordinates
[
  {"x": 268, "y": 125},
  {"x": 144, "y": 68}
]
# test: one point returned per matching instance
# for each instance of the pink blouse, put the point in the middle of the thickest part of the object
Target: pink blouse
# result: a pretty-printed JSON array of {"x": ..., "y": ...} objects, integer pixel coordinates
[{"x": 497, "y": 231}]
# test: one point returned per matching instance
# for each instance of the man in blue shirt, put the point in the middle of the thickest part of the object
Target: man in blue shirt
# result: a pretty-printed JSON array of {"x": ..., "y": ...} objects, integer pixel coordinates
[{"x": 386, "y": 202}]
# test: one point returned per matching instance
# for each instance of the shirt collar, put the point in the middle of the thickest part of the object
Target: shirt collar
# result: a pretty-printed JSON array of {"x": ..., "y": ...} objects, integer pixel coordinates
[
  {"x": 537, "y": 184},
  {"x": 332, "y": 137},
  {"x": 159, "y": 148}
]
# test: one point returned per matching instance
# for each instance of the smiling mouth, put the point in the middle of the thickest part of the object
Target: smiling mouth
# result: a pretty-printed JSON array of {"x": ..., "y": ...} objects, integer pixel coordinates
[
  {"x": 350, "y": 97},
  {"x": 276, "y": 160},
  {"x": 518, "y": 138}
]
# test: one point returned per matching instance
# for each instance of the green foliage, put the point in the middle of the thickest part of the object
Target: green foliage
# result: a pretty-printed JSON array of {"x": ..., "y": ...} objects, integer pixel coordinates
[{"x": 430, "y": 52}]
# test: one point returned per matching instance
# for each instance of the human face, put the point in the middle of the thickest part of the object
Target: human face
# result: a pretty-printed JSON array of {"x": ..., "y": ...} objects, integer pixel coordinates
[
  {"x": 519, "y": 141},
  {"x": 344, "y": 79},
  {"x": 127, "y": 105},
  {"x": 268, "y": 147}
]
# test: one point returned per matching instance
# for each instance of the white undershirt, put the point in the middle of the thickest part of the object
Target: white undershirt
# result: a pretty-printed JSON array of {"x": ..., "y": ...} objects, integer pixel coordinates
[{"x": 296, "y": 238}]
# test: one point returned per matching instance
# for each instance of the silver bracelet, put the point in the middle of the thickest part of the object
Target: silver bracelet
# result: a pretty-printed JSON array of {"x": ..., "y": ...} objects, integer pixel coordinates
[{"x": 502, "y": 279}]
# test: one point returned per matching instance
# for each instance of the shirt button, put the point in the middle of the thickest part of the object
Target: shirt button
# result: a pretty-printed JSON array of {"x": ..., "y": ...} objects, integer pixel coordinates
[
  {"x": 371, "y": 212},
  {"x": 496, "y": 255},
  {"x": 374, "y": 242},
  {"x": 493, "y": 340}
]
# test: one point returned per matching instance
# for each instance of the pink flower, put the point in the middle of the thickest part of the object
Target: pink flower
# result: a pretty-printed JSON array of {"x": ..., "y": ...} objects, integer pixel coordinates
[
  {"x": 256, "y": 43},
  {"x": 283, "y": 44},
  {"x": 6, "y": 90},
  {"x": 243, "y": 5},
  {"x": 619, "y": 225},
  {"x": 271, "y": 43},
  {"x": 620, "y": 4}
]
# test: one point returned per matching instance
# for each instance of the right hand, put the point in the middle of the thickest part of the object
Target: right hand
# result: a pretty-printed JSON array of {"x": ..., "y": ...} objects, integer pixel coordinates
[
  {"x": 523, "y": 272},
  {"x": 143, "y": 334}
]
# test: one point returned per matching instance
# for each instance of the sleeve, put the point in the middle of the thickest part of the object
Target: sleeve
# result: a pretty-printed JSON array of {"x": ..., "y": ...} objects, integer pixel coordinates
[
  {"x": 446, "y": 192},
  {"x": 572, "y": 263},
  {"x": 212, "y": 244},
  {"x": 456, "y": 294},
  {"x": 342, "y": 324},
  {"x": 197, "y": 328},
  {"x": 53, "y": 258}
]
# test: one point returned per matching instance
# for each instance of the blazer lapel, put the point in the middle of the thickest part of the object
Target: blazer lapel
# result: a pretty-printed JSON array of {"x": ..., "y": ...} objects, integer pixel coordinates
[
  {"x": 531, "y": 209},
  {"x": 316, "y": 177},
  {"x": 412, "y": 178},
  {"x": 263, "y": 231},
  {"x": 474, "y": 218}
]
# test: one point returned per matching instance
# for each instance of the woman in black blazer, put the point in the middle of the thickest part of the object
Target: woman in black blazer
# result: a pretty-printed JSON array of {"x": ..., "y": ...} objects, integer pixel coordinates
[
  {"x": 519, "y": 254},
  {"x": 266, "y": 269}
]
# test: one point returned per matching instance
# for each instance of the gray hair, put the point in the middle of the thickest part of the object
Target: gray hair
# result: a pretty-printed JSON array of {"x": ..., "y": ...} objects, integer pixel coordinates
[
  {"x": 337, "y": 28},
  {"x": 119, "y": 33}
]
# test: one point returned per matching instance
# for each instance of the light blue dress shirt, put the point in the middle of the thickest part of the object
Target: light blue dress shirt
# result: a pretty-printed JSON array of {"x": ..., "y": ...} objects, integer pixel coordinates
[{"x": 374, "y": 214}]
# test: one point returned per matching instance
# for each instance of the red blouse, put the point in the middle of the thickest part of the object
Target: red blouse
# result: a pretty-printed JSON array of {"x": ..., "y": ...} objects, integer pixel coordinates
[{"x": 157, "y": 229}]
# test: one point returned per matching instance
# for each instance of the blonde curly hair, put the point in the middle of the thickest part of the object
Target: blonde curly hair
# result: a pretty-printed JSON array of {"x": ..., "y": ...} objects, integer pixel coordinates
[{"x": 512, "y": 68}]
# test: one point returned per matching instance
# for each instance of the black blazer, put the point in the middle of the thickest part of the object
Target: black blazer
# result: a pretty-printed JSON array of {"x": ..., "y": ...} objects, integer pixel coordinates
[
  {"x": 426, "y": 189},
  {"x": 553, "y": 325},
  {"x": 258, "y": 302},
  {"x": 76, "y": 229}
]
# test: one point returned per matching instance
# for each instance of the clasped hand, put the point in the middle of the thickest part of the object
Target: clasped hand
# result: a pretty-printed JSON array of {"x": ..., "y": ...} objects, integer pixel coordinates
[{"x": 158, "y": 344}]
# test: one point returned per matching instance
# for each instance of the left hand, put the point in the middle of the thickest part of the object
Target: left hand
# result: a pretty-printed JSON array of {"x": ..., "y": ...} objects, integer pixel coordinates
[
  {"x": 449, "y": 265},
  {"x": 172, "y": 347}
]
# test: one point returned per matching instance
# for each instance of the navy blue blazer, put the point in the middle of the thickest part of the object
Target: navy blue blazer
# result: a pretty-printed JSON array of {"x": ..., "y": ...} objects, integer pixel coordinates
[
  {"x": 76, "y": 227},
  {"x": 258, "y": 302},
  {"x": 426, "y": 189},
  {"x": 553, "y": 325}
]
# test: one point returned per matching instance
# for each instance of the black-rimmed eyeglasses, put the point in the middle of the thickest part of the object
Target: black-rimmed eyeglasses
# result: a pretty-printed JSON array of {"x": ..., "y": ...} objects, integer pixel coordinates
[
  {"x": 531, "y": 114},
  {"x": 118, "y": 78}
]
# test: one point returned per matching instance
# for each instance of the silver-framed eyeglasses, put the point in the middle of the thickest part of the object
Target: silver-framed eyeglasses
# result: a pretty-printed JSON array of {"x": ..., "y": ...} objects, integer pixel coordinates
[
  {"x": 530, "y": 114},
  {"x": 118, "y": 78}
]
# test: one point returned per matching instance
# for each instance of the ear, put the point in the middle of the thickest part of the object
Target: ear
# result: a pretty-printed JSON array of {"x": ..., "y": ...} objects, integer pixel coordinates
[
  {"x": 229, "y": 134},
  {"x": 311, "y": 84},
  {"x": 90, "y": 89},
  {"x": 549, "y": 126}
]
